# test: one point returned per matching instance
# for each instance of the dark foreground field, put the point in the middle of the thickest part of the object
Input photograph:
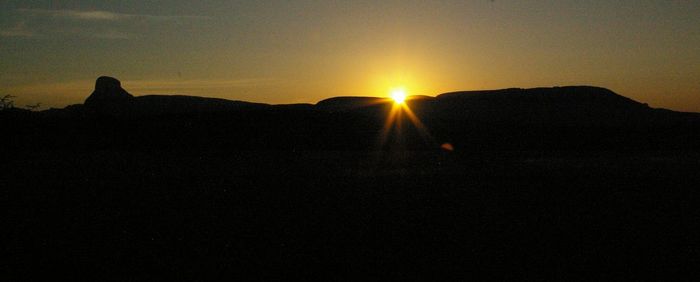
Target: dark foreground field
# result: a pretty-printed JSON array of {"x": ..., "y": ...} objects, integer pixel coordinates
[
  {"x": 332, "y": 215},
  {"x": 563, "y": 183}
]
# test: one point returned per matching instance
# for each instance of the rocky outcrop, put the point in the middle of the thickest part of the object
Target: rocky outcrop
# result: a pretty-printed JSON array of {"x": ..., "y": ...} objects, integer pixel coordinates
[
  {"x": 561, "y": 106},
  {"x": 349, "y": 103},
  {"x": 108, "y": 96}
]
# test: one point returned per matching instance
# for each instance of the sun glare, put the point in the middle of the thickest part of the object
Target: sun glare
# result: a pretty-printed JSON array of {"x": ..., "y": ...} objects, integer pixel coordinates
[
  {"x": 398, "y": 95},
  {"x": 399, "y": 114}
]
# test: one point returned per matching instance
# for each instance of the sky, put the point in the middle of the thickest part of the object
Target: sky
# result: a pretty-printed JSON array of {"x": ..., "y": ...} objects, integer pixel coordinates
[{"x": 302, "y": 51}]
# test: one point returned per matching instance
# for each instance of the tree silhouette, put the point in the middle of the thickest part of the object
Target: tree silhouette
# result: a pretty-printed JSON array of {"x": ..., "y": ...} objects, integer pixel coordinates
[
  {"x": 7, "y": 102},
  {"x": 33, "y": 107}
]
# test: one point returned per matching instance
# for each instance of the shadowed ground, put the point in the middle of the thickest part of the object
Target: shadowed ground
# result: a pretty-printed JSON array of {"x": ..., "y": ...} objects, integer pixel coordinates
[
  {"x": 280, "y": 192},
  {"x": 275, "y": 214}
]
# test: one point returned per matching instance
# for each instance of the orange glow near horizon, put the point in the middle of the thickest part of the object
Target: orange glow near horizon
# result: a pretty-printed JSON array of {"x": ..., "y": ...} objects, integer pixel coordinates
[
  {"x": 245, "y": 51},
  {"x": 398, "y": 95}
]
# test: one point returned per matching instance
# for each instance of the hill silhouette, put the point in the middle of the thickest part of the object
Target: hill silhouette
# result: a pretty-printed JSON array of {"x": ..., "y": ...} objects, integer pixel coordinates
[
  {"x": 570, "y": 118},
  {"x": 571, "y": 105},
  {"x": 110, "y": 98}
]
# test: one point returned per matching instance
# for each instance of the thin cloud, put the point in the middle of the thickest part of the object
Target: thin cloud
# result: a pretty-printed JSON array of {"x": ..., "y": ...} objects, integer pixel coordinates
[
  {"x": 19, "y": 30},
  {"x": 111, "y": 27},
  {"x": 98, "y": 15},
  {"x": 112, "y": 34},
  {"x": 164, "y": 85}
]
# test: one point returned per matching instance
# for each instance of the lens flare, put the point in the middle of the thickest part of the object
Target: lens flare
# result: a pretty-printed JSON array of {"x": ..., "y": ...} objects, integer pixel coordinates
[
  {"x": 398, "y": 95},
  {"x": 401, "y": 112}
]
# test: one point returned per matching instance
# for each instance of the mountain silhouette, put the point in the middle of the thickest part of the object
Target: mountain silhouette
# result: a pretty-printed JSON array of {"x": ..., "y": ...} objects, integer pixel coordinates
[
  {"x": 561, "y": 106},
  {"x": 108, "y": 90},
  {"x": 564, "y": 105},
  {"x": 110, "y": 98},
  {"x": 572, "y": 117},
  {"x": 573, "y": 105},
  {"x": 350, "y": 103}
]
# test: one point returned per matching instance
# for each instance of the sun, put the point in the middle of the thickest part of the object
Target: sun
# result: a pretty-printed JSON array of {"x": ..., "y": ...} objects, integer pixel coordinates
[{"x": 398, "y": 95}]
